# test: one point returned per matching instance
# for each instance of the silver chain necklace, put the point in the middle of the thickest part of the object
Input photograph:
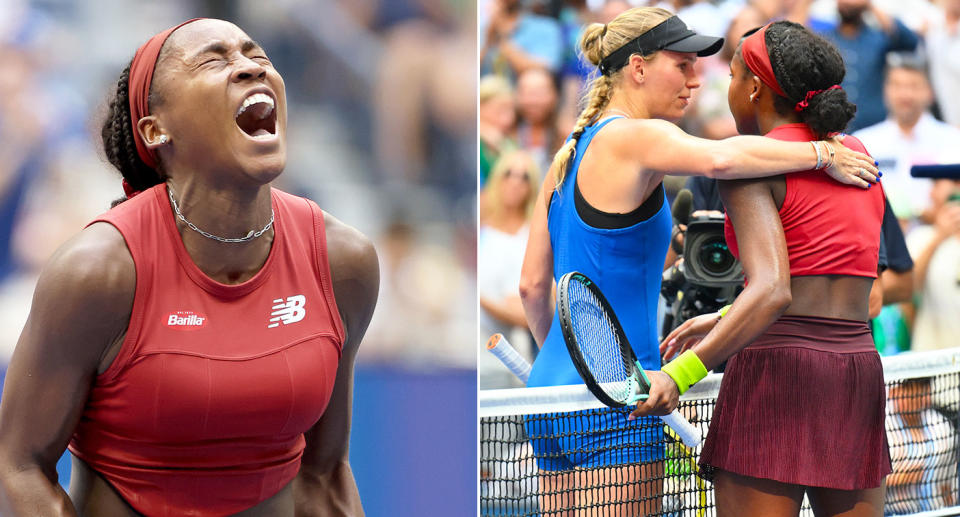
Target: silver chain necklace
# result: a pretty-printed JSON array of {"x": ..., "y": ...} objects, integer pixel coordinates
[{"x": 249, "y": 237}]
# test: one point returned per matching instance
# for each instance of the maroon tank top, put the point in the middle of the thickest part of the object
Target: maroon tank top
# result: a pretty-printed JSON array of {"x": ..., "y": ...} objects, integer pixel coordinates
[
  {"x": 203, "y": 410},
  {"x": 830, "y": 228}
]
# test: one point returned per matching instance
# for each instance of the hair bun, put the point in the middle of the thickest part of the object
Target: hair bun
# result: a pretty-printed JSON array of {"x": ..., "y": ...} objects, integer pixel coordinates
[
  {"x": 591, "y": 41},
  {"x": 829, "y": 112}
]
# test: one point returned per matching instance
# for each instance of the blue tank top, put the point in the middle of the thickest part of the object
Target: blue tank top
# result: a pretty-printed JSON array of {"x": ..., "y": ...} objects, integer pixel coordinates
[{"x": 626, "y": 263}]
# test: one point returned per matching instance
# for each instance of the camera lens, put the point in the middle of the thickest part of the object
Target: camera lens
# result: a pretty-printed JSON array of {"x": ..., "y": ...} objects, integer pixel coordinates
[{"x": 716, "y": 257}]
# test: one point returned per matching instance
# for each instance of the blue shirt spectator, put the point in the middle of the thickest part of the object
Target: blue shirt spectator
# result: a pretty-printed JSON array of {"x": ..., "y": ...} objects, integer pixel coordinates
[
  {"x": 864, "y": 48},
  {"x": 516, "y": 40}
]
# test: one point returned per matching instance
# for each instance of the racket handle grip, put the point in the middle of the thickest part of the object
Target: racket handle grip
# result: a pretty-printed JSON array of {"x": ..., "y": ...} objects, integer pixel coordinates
[
  {"x": 500, "y": 347},
  {"x": 689, "y": 434}
]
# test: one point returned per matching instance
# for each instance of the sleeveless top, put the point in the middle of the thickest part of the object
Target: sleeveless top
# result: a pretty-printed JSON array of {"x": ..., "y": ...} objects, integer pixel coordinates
[
  {"x": 203, "y": 410},
  {"x": 830, "y": 228},
  {"x": 625, "y": 263}
]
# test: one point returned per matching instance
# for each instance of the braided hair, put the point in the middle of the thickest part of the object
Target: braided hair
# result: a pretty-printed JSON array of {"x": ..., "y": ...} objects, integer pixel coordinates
[
  {"x": 804, "y": 62},
  {"x": 117, "y": 134},
  {"x": 597, "y": 42}
]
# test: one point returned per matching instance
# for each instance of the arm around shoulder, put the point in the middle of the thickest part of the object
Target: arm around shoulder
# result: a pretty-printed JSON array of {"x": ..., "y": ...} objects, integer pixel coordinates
[
  {"x": 325, "y": 484},
  {"x": 80, "y": 312},
  {"x": 663, "y": 147}
]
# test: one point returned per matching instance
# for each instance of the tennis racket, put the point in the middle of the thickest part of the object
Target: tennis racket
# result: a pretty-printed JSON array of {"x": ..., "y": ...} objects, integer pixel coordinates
[
  {"x": 601, "y": 353},
  {"x": 500, "y": 347}
]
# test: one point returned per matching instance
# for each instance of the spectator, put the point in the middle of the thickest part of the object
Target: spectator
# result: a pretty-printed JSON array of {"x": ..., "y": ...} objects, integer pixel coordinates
[
  {"x": 24, "y": 133},
  {"x": 426, "y": 132},
  {"x": 700, "y": 15},
  {"x": 915, "y": 429},
  {"x": 936, "y": 252},
  {"x": 864, "y": 48},
  {"x": 516, "y": 41},
  {"x": 496, "y": 117},
  {"x": 910, "y": 136},
  {"x": 943, "y": 49},
  {"x": 506, "y": 204},
  {"x": 537, "y": 99}
]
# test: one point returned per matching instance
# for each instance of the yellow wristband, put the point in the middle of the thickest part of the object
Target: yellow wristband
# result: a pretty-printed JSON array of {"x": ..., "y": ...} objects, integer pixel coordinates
[
  {"x": 723, "y": 311},
  {"x": 685, "y": 370}
]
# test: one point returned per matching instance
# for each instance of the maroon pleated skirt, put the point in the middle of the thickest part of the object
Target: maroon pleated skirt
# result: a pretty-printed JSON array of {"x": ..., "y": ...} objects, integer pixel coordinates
[{"x": 803, "y": 404}]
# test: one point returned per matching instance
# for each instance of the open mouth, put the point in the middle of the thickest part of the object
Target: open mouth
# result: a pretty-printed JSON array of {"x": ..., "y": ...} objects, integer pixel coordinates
[{"x": 257, "y": 116}]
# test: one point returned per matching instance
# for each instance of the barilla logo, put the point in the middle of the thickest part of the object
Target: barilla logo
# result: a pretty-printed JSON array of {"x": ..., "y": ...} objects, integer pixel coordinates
[{"x": 186, "y": 320}]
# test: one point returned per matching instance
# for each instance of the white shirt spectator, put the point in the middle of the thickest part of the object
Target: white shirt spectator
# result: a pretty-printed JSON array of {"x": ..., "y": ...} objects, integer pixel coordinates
[
  {"x": 943, "y": 54},
  {"x": 931, "y": 449},
  {"x": 703, "y": 17},
  {"x": 499, "y": 260},
  {"x": 930, "y": 142},
  {"x": 936, "y": 324}
]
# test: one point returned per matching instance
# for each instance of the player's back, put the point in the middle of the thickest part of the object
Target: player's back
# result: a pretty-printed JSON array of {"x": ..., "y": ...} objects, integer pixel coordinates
[{"x": 832, "y": 233}]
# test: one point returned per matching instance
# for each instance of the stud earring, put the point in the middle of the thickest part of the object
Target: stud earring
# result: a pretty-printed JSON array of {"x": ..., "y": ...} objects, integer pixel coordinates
[{"x": 163, "y": 139}]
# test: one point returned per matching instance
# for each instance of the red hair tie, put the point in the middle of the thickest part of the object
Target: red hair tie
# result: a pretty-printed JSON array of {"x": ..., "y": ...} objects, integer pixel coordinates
[
  {"x": 138, "y": 89},
  {"x": 802, "y": 105},
  {"x": 755, "y": 56},
  {"x": 128, "y": 189}
]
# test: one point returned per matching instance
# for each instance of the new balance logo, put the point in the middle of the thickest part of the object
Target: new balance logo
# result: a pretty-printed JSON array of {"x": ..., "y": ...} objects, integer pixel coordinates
[
  {"x": 287, "y": 312},
  {"x": 186, "y": 320}
]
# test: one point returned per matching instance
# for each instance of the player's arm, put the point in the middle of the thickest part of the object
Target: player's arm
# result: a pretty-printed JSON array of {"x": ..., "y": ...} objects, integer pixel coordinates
[
  {"x": 508, "y": 310},
  {"x": 80, "y": 311},
  {"x": 536, "y": 275},
  {"x": 658, "y": 145},
  {"x": 763, "y": 253},
  {"x": 325, "y": 484}
]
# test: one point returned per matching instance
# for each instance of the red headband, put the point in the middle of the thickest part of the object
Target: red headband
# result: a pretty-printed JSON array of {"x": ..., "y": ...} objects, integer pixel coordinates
[
  {"x": 141, "y": 75},
  {"x": 755, "y": 56}
]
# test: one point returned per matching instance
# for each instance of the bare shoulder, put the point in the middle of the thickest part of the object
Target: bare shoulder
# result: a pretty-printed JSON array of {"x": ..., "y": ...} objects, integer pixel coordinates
[
  {"x": 84, "y": 295},
  {"x": 351, "y": 253},
  {"x": 753, "y": 196},
  {"x": 749, "y": 186},
  {"x": 630, "y": 129},
  {"x": 355, "y": 269},
  {"x": 94, "y": 264},
  {"x": 635, "y": 136}
]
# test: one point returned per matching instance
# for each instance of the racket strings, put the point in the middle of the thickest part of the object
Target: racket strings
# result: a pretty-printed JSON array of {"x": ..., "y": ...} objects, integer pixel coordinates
[{"x": 594, "y": 332}]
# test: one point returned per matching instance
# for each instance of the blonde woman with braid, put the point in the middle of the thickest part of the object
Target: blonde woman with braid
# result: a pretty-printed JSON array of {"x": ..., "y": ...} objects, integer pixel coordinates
[{"x": 602, "y": 211}]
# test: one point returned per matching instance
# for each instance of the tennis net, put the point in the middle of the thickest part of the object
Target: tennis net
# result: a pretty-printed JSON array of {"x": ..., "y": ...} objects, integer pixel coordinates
[{"x": 531, "y": 438}]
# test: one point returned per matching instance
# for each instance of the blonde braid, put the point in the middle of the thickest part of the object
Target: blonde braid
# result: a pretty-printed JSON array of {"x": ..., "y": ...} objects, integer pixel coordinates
[
  {"x": 598, "y": 41},
  {"x": 598, "y": 97}
]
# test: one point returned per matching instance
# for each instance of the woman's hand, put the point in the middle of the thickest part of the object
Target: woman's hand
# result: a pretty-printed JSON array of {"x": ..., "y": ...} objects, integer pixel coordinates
[
  {"x": 664, "y": 396},
  {"x": 849, "y": 166},
  {"x": 687, "y": 334}
]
